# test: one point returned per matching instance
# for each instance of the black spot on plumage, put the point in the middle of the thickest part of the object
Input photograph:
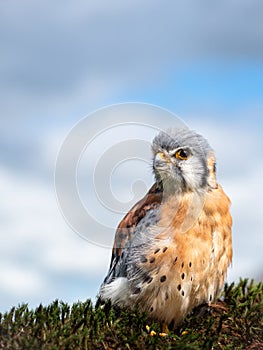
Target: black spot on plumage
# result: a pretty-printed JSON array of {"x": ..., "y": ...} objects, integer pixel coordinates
[
  {"x": 143, "y": 259},
  {"x": 137, "y": 290},
  {"x": 147, "y": 279},
  {"x": 163, "y": 279}
]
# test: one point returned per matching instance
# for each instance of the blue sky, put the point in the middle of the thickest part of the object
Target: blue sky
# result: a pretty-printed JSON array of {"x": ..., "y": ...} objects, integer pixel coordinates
[
  {"x": 61, "y": 61},
  {"x": 228, "y": 85}
]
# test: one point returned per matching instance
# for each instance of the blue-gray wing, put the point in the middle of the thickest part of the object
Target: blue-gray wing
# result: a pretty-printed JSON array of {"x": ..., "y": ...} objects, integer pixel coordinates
[{"x": 127, "y": 229}]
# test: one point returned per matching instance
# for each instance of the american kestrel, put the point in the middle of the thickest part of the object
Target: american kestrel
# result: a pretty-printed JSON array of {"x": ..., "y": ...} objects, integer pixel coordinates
[{"x": 172, "y": 249}]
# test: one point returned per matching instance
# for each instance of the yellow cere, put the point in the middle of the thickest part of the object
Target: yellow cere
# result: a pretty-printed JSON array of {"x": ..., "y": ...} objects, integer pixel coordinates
[{"x": 161, "y": 155}]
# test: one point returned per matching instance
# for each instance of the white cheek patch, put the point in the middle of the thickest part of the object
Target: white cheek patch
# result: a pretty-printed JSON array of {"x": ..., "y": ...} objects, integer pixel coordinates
[{"x": 192, "y": 171}]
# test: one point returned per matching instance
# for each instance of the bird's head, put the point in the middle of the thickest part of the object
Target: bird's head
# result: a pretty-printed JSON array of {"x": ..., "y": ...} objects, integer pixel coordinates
[{"x": 183, "y": 160}]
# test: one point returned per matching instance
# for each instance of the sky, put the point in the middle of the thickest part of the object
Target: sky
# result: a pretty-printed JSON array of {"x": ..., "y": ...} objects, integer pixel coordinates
[{"x": 61, "y": 64}]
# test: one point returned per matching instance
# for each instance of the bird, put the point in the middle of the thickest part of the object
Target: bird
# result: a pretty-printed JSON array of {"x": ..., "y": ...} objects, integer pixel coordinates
[{"x": 172, "y": 249}]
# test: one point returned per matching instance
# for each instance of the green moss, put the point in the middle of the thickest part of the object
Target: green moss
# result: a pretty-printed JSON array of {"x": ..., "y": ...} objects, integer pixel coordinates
[{"x": 234, "y": 323}]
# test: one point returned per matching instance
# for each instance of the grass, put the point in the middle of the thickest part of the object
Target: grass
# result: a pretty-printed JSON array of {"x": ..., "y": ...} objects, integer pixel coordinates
[{"x": 234, "y": 323}]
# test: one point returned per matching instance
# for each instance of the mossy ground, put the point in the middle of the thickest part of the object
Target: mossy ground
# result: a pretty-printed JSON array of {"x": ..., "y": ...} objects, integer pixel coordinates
[{"x": 234, "y": 323}]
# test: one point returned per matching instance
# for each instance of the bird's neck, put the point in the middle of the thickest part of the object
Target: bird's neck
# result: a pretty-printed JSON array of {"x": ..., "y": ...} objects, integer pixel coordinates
[{"x": 172, "y": 188}]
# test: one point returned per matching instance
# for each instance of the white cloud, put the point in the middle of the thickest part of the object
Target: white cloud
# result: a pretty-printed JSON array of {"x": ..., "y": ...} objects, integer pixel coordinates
[
  {"x": 20, "y": 281},
  {"x": 37, "y": 249}
]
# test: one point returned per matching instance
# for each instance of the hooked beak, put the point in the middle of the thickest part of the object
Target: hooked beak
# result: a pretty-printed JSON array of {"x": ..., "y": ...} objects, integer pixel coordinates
[{"x": 162, "y": 158}]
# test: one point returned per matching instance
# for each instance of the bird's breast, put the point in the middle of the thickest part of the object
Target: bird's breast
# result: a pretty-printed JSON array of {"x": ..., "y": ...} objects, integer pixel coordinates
[{"x": 185, "y": 262}]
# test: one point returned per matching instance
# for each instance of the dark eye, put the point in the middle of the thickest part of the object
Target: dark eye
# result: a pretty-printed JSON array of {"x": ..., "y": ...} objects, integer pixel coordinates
[{"x": 182, "y": 154}]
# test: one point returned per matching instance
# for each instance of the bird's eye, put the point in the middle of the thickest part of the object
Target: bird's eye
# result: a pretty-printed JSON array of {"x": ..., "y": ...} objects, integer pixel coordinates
[{"x": 182, "y": 154}]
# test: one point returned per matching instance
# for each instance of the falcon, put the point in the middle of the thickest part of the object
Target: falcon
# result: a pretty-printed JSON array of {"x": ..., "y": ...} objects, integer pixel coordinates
[{"x": 172, "y": 249}]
